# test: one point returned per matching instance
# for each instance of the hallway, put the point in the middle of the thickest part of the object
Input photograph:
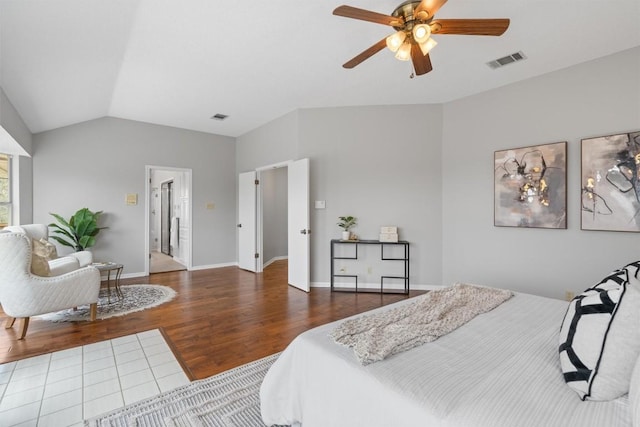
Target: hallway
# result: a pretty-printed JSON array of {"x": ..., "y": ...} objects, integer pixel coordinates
[{"x": 161, "y": 263}]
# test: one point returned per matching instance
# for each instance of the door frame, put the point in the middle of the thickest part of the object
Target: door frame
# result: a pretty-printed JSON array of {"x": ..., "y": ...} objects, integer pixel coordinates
[
  {"x": 260, "y": 211},
  {"x": 147, "y": 211}
]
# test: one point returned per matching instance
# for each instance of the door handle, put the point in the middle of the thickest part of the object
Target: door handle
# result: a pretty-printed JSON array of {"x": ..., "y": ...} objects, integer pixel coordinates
[
  {"x": 239, "y": 225},
  {"x": 303, "y": 231}
]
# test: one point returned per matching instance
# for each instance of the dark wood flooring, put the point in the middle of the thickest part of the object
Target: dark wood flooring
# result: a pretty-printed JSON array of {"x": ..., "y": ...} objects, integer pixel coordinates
[{"x": 221, "y": 318}]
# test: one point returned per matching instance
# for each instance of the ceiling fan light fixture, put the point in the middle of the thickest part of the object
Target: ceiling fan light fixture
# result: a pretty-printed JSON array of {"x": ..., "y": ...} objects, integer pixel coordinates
[
  {"x": 395, "y": 40},
  {"x": 421, "y": 33},
  {"x": 404, "y": 53},
  {"x": 413, "y": 23},
  {"x": 427, "y": 46}
]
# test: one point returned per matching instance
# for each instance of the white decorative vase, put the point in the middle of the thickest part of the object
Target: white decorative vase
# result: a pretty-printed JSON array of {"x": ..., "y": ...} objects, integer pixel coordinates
[{"x": 346, "y": 235}]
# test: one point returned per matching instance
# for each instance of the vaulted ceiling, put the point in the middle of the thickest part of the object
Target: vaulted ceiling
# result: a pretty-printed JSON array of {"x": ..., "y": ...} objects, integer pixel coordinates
[{"x": 179, "y": 62}]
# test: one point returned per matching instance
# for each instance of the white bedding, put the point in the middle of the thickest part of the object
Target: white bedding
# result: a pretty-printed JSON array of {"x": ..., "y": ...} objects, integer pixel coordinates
[{"x": 500, "y": 369}]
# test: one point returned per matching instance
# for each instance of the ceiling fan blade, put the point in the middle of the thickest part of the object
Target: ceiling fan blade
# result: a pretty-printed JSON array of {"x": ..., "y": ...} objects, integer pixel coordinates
[
  {"x": 366, "y": 15},
  {"x": 366, "y": 54},
  {"x": 472, "y": 27},
  {"x": 427, "y": 8},
  {"x": 421, "y": 63}
]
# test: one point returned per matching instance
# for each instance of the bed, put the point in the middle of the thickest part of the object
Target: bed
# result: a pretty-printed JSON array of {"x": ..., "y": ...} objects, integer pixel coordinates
[{"x": 500, "y": 369}]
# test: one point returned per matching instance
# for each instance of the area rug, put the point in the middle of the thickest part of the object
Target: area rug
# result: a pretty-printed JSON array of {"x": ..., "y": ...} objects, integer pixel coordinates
[
  {"x": 135, "y": 298},
  {"x": 229, "y": 399}
]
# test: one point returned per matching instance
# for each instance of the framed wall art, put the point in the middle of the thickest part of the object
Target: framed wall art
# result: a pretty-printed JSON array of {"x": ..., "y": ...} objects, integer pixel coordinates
[
  {"x": 530, "y": 186},
  {"x": 610, "y": 181}
]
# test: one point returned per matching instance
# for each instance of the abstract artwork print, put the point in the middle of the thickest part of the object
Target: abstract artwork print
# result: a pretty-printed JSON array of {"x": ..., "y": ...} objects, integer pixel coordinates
[
  {"x": 610, "y": 196},
  {"x": 530, "y": 186}
]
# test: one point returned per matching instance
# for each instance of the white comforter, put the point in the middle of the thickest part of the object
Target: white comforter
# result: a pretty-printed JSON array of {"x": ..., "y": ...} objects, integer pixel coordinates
[{"x": 499, "y": 370}]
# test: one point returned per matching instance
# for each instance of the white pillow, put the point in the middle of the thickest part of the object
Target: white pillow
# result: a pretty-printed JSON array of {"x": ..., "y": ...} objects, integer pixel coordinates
[
  {"x": 634, "y": 395},
  {"x": 600, "y": 336}
]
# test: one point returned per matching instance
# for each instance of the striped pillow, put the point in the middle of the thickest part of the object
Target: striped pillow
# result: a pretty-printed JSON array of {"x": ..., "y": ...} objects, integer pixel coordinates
[{"x": 600, "y": 336}]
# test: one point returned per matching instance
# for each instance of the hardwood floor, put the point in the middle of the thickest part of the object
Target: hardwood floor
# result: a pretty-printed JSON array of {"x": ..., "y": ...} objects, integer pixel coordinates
[{"x": 220, "y": 319}]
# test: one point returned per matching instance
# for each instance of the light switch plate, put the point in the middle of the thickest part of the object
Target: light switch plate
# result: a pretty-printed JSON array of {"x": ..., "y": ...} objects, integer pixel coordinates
[
  {"x": 131, "y": 199},
  {"x": 320, "y": 204}
]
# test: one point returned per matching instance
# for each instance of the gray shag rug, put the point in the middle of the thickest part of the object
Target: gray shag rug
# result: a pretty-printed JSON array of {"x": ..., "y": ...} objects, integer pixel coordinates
[
  {"x": 229, "y": 399},
  {"x": 135, "y": 298}
]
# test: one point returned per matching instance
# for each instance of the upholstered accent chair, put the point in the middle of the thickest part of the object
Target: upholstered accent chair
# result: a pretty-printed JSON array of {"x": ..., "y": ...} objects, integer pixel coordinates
[
  {"x": 24, "y": 294},
  {"x": 41, "y": 232}
]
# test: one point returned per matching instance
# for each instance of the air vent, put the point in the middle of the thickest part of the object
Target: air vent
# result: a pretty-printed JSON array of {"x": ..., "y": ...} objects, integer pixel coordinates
[
  {"x": 506, "y": 60},
  {"x": 219, "y": 116}
]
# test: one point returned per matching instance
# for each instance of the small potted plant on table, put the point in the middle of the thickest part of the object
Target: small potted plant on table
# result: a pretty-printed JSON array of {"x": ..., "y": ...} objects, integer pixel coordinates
[{"x": 346, "y": 222}]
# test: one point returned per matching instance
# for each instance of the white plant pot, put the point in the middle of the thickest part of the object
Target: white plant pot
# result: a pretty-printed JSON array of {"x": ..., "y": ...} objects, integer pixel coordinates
[{"x": 346, "y": 235}]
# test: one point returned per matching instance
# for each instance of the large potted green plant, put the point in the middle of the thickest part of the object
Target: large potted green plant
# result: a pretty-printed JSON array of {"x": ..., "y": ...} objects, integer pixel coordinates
[{"x": 79, "y": 232}]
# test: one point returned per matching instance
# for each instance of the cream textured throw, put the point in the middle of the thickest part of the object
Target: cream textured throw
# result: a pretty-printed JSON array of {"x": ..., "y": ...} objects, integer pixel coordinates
[{"x": 373, "y": 337}]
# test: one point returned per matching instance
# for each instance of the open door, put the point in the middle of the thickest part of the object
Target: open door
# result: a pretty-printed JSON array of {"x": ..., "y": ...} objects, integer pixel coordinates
[
  {"x": 247, "y": 221},
  {"x": 299, "y": 232}
]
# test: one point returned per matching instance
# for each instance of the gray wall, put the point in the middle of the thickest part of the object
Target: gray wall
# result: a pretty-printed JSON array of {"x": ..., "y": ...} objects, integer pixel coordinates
[
  {"x": 96, "y": 163},
  {"x": 426, "y": 168},
  {"x": 274, "y": 213},
  {"x": 381, "y": 164},
  {"x": 274, "y": 142},
  {"x": 600, "y": 97},
  {"x": 13, "y": 123}
]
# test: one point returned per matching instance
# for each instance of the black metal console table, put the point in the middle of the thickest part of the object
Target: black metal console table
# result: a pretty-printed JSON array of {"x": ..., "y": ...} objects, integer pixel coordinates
[{"x": 404, "y": 259}]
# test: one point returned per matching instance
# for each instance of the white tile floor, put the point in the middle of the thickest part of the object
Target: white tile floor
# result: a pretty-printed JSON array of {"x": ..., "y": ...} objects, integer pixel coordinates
[{"x": 66, "y": 387}]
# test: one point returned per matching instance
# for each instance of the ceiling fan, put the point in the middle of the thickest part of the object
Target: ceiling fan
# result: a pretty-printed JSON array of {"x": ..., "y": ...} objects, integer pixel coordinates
[{"x": 414, "y": 24}]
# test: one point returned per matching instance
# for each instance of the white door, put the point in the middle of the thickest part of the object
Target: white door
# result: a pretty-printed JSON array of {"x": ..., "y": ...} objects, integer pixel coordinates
[
  {"x": 299, "y": 232},
  {"x": 247, "y": 221}
]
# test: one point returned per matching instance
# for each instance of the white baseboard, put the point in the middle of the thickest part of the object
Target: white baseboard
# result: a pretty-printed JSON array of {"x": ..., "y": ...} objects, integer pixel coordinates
[
  {"x": 394, "y": 286},
  {"x": 207, "y": 267},
  {"x": 130, "y": 275},
  {"x": 274, "y": 259},
  {"x": 197, "y": 267}
]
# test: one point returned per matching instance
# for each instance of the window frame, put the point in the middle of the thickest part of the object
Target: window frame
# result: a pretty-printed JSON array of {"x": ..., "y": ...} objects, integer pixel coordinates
[{"x": 9, "y": 203}]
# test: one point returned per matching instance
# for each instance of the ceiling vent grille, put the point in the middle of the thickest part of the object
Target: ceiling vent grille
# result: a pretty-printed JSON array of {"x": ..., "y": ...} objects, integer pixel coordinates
[
  {"x": 219, "y": 116},
  {"x": 506, "y": 60}
]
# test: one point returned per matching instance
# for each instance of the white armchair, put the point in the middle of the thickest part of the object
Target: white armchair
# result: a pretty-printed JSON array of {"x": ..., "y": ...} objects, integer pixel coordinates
[
  {"x": 41, "y": 231},
  {"x": 23, "y": 294}
]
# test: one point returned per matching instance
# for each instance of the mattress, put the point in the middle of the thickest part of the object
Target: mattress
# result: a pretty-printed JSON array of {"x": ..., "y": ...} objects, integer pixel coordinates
[{"x": 500, "y": 369}]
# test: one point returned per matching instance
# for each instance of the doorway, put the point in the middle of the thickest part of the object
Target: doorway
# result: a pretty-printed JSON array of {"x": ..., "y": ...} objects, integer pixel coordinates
[
  {"x": 168, "y": 233},
  {"x": 273, "y": 202},
  {"x": 250, "y": 222}
]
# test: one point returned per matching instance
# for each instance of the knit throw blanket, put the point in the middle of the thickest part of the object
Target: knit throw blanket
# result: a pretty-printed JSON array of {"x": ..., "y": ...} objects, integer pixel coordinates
[{"x": 376, "y": 336}]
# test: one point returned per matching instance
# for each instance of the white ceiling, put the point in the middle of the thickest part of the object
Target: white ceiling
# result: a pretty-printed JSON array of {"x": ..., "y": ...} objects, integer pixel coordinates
[{"x": 178, "y": 62}]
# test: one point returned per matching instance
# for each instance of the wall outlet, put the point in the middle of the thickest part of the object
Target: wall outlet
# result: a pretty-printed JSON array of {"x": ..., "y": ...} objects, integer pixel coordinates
[{"x": 569, "y": 295}]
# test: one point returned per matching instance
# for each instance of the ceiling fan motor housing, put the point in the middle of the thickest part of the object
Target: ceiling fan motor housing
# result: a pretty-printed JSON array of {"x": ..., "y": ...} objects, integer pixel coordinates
[{"x": 406, "y": 12}]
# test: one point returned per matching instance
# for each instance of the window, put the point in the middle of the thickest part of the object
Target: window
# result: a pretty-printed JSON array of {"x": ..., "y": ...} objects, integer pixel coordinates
[{"x": 5, "y": 190}]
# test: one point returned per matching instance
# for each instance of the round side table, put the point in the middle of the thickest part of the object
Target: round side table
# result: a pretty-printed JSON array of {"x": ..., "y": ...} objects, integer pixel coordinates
[{"x": 108, "y": 267}]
